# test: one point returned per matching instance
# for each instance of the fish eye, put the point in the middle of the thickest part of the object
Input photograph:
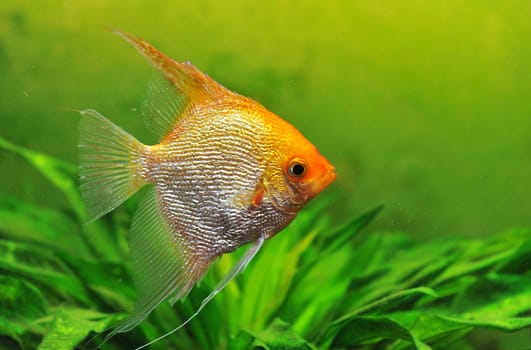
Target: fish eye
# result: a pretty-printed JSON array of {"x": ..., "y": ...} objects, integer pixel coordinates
[{"x": 297, "y": 168}]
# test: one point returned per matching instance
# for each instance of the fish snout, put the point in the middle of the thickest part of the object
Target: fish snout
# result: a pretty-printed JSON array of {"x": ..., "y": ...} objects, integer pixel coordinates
[
  {"x": 326, "y": 177},
  {"x": 329, "y": 175}
]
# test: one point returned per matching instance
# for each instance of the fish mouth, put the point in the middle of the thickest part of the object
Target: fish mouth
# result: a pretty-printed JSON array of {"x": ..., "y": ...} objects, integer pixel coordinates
[
  {"x": 317, "y": 186},
  {"x": 330, "y": 175}
]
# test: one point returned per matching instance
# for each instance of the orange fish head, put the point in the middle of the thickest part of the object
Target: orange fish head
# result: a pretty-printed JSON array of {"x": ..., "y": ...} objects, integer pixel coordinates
[
  {"x": 302, "y": 172},
  {"x": 306, "y": 175}
]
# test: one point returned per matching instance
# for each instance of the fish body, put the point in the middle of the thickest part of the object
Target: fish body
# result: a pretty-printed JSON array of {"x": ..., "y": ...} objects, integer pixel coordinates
[{"x": 226, "y": 172}]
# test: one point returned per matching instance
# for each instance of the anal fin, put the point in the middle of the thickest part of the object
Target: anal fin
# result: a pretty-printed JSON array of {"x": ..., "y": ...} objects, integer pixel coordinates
[
  {"x": 249, "y": 199},
  {"x": 239, "y": 267},
  {"x": 162, "y": 264}
]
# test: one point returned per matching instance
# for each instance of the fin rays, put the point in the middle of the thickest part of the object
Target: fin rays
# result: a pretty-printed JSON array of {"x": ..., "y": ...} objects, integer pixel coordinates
[
  {"x": 163, "y": 105},
  {"x": 239, "y": 267},
  {"x": 109, "y": 164},
  {"x": 180, "y": 85},
  {"x": 161, "y": 262}
]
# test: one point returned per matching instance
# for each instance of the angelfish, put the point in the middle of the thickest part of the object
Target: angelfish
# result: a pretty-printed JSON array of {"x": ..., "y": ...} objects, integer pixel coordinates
[{"x": 226, "y": 172}]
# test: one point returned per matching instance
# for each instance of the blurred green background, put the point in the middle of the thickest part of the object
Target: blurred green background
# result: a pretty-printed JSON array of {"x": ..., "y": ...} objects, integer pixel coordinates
[{"x": 423, "y": 106}]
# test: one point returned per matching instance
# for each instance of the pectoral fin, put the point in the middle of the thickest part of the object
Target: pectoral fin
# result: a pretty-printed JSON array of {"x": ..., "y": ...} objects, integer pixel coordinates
[{"x": 249, "y": 199}]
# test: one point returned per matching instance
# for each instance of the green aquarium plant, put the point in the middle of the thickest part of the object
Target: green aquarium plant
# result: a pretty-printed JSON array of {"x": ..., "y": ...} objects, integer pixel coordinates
[{"x": 316, "y": 285}]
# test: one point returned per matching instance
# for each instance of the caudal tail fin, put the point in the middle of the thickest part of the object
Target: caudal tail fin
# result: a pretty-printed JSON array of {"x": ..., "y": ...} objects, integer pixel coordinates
[{"x": 110, "y": 164}]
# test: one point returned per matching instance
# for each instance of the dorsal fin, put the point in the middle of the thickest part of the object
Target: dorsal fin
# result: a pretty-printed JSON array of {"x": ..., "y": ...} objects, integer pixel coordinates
[
  {"x": 180, "y": 85},
  {"x": 162, "y": 106}
]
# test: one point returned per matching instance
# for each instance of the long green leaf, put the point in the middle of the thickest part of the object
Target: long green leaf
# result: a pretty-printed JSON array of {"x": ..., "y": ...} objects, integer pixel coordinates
[
  {"x": 42, "y": 267},
  {"x": 359, "y": 330},
  {"x": 21, "y": 303},
  {"x": 23, "y": 222},
  {"x": 63, "y": 175},
  {"x": 71, "y": 326}
]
